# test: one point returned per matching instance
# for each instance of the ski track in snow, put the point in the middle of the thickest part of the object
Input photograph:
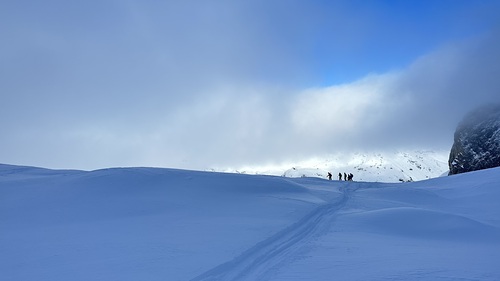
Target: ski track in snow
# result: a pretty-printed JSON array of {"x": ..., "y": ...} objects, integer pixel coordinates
[{"x": 261, "y": 260}]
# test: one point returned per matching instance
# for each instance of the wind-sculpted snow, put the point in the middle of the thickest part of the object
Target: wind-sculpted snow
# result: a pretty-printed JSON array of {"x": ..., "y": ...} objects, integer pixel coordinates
[
  {"x": 165, "y": 224},
  {"x": 422, "y": 223}
]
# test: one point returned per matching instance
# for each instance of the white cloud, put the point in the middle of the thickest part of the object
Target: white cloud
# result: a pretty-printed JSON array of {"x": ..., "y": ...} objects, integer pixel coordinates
[
  {"x": 418, "y": 106},
  {"x": 344, "y": 109},
  {"x": 139, "y": 83},
  {"x": 234, "y": 125}
]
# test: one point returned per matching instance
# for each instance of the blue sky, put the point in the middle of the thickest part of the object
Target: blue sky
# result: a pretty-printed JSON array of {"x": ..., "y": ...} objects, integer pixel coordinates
[
  {"x": 195, "y": 84},
  {"x": 380, "y": 36}
]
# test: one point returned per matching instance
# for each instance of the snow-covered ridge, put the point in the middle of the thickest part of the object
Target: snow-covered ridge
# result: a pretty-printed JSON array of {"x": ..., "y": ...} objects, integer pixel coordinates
[{"x": 396, "y": 166}]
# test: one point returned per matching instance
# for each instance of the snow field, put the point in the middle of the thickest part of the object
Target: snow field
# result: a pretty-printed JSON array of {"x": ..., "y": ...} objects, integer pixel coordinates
[{"x": 164, "y": 224}]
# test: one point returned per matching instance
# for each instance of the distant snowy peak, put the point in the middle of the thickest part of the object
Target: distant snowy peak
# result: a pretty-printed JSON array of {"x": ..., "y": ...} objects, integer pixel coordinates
[
  {"x": 477, "y": 141},
  {"x": 371, "y": 167}
]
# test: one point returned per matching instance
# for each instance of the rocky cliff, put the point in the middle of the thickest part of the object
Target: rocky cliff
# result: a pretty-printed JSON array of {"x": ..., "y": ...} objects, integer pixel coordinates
[{"x": 477, "y": 141}]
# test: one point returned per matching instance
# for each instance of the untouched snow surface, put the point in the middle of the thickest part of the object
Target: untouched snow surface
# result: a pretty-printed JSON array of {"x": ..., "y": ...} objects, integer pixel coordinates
[{"x": 164, "y": 224}]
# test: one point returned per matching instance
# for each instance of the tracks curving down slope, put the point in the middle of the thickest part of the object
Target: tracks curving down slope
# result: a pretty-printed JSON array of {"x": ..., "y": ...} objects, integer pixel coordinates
[{"x": 258, "y": 262}]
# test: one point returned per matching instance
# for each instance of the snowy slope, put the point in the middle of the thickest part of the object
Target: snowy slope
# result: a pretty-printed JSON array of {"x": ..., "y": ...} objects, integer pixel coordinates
[
  {"x": 396, "y": 166},
  {"x": 164, "y": 224}
]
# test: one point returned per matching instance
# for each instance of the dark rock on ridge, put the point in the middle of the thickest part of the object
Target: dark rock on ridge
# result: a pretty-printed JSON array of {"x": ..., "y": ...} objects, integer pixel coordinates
[{"x": 477, "y": 141}]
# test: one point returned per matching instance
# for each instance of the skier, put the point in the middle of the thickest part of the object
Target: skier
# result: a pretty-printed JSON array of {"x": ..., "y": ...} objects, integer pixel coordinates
[
  {"x": 345, "y": 176},
  {"x": 329, "y": 176},
  {"x": 340, "y": 176}
]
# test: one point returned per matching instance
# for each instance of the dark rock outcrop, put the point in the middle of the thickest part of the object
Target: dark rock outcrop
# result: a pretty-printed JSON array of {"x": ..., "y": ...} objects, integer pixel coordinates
[{"x": 477, "y": 141}]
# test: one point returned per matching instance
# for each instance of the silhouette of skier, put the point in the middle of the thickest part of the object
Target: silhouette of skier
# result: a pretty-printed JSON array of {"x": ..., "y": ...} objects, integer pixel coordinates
[
  {"x": 329, "y": 176},
  {"x": 340, "y": 176}
]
